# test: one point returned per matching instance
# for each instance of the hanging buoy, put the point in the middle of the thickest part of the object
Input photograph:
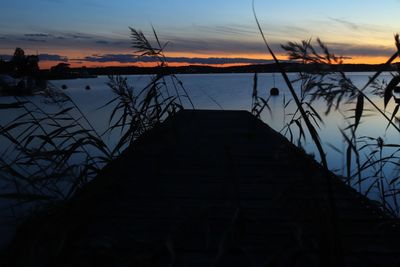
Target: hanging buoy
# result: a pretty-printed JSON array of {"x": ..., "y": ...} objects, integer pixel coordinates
[{"x": 274, "y": 91}]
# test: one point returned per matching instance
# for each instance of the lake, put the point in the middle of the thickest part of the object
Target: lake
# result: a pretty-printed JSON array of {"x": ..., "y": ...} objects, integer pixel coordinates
[{"x": 234, "y": 92}]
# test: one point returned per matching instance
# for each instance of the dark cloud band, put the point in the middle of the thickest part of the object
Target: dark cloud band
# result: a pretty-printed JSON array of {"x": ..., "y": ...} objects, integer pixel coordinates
[
  {"x": 39, "y": 35},
  {"x": 42, "y": 57},
  {"x": 129, "y": 58},
  {"x": 49, "y": 57}
]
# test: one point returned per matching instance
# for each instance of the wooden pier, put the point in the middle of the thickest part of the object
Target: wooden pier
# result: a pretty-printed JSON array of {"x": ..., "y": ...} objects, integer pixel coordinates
[{"x": 212, "y": 188}]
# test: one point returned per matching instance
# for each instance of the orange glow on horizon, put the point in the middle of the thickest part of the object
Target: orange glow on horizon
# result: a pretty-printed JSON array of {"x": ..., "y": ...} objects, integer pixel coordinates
[
  {"x": 49, "y": 64},
  {"x": 367, "y": 60},
  {"x": 80, "y": 63}
]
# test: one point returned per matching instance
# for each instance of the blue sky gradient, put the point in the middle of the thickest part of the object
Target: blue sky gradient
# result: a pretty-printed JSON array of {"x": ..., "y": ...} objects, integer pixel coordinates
[{"x": 79, "y": 29}]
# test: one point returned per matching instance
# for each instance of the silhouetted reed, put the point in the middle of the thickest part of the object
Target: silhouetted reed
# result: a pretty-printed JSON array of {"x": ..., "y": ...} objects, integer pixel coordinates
[
  {"x": 258, "y": 104},
  {"x": 366, "y": 157},
  {"x": 53, "y": 148}
]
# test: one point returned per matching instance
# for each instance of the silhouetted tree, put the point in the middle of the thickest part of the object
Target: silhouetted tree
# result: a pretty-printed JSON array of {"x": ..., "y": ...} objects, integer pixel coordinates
[
  {"x": 19, "y": 55},
  {"x": 61, "y": 68},
  {"x": 32, "y": 64},
  {"x": 24, "y": 65}
]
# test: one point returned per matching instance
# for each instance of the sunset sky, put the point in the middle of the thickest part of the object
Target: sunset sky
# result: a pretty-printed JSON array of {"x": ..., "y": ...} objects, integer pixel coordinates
[{"x": 96, "y": 33}]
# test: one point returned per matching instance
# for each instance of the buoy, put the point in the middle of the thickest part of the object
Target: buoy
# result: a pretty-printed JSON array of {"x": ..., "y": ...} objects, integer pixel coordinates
[
  {"x": 64, "y": 87},
  {"x": 87, "y": 87},
  {"x": 274, "y": 91}
]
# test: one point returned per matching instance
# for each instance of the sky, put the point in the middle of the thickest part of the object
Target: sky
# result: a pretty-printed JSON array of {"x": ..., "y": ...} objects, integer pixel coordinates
[{"x": 96, "y": 32}]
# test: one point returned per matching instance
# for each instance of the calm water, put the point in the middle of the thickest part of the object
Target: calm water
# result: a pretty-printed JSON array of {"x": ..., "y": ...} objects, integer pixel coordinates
[{"x": 233, "y": 91}]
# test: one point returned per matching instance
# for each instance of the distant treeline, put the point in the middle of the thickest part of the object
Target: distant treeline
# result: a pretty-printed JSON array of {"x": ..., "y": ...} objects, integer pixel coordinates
[
  {"x": 260, "y": 68},
  {"x": 20, "y": 65}
]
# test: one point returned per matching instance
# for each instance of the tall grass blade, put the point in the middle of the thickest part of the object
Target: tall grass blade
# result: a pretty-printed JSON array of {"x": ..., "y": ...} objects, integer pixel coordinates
[
  {"x": 359, "y": 110},
  {"x": 348, "y": 161},
  {"x": 15, "y": 105},
  {"x": 389, "y": 89},
  {"x": 396, "y": 109},
  {"x": 310, "y": 127}
]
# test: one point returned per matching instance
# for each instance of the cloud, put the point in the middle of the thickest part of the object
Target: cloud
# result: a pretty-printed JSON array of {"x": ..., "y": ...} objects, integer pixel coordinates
[
  {"x": 233, "y": 29},
  {"x": 346, "y": 23},
  {"x": 63, "y": 40},
  {"x": 216, "y": 45},
  {"x": 359, "y": 50},
  {"x": 40, "y": 35},
  {"x": 119, "y": 47},
  {"x": 296, "y": 29},
  {"x": 129, "y": 58},
  {"x": 102, "y": 42},
  {"x": 42, "y": 57},
  {"x": 79, "y": 36},
  {"x": 50, "y": 57},
  {"x": 121, "y": 58},
  {"x": 217, "y": 60},
  {"x": 33, "y": 40}
]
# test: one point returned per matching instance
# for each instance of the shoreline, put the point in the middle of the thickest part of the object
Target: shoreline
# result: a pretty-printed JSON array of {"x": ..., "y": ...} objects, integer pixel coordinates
[{"x": 195, "y": 69}]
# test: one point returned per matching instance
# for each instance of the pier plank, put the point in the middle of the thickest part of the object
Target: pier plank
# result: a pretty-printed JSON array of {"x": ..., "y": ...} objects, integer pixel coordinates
[{"x": 216, "y": 188}]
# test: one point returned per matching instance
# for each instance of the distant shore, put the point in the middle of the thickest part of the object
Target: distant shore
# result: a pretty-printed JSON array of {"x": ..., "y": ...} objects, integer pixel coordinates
[{"x": 198, "y": 69}]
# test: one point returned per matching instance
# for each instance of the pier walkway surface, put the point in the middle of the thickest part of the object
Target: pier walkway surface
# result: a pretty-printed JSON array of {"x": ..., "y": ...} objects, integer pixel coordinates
[{"x": 212, "y": 188}]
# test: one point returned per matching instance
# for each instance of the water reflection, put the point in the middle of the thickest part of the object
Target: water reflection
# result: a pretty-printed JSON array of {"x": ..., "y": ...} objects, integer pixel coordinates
[{"x": 233, "y": 91}]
